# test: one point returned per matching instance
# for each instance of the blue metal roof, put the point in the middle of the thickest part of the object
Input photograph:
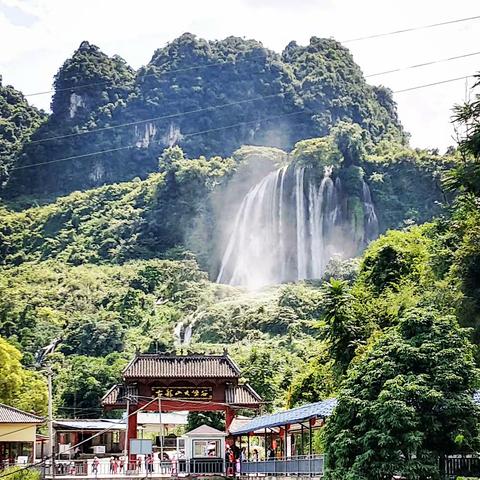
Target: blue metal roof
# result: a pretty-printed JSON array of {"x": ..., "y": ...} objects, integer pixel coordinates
[{"x": 321, "y": 409}]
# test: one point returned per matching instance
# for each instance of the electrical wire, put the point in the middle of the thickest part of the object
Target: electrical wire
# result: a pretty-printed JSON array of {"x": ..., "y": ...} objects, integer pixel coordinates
[
  {"x": 412, "y": 29},
  {"x": 187, "y": 135},
  {"x": 378, "y": 35},
  {"x": 18, "y": 430},
  {"x": 433, "y": 62},
  {"x": 216, "y": 107},
  {"x": 154, "y": 119},
  {"x": 101, "y": 432},
  {"x": 417, "y": 87}
]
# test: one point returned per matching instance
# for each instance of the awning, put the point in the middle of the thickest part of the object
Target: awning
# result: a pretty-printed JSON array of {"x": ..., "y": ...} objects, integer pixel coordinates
[
  {"x": 316, "y": 410},
  {"x": 93, "y": 425}
]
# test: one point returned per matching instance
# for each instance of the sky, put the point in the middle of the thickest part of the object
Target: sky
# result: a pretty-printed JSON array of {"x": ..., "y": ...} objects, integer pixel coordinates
[{"x": 36, "y": 36}]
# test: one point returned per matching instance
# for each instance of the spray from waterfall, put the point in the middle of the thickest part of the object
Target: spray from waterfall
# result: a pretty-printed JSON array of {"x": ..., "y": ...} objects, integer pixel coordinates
[{"x": 290, "y": 224}]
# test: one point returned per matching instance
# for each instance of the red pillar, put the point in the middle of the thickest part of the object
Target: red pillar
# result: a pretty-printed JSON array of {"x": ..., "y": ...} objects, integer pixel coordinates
[
  {"x": 132, "y": 429},
  {"x": 229, "y": 416}
]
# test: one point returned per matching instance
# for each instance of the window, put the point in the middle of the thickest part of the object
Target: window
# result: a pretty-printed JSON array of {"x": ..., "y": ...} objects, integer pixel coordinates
[{"x": 206, "y": 448}]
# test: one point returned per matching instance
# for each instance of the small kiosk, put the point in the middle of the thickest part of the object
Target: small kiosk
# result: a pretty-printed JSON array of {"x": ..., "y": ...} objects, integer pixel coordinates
[{"x": 204, "y": 451}]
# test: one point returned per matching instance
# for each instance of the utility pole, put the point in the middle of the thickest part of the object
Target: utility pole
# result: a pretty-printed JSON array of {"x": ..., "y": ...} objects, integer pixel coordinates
[
  {"x": 126, "y": 448},
  {"x": 160, "y": 429},
  {"x": 51, "y": 435}
]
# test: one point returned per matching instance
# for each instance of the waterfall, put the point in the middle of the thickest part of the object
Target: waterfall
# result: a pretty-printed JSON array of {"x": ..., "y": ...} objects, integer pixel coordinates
[
  {"x": 300, "y": 223},
  {"x": 289, "y": 225},
  {"x": 371, "y": 220},
  {"x": 182, "y": 333}
]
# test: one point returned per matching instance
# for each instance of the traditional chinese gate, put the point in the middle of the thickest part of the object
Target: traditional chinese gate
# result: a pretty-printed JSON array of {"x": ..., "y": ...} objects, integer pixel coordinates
[{"x": 193, "y": 382}]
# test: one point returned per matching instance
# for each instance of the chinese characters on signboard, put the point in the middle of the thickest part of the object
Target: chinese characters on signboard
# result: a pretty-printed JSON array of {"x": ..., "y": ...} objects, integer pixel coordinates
[{"x": 184, "y": 393}]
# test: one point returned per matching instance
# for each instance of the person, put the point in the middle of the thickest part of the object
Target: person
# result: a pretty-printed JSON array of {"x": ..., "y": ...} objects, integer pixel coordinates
[
  {"x": 231, "y": 459},
  {"x": 255, "y": 455},
  {"x": 115, "y": 465},
  {"x": 229, "y": 466},
  {"x": 95, "y": 463},
  {"x": 112, "y": 461},
  {"x": 271, "y": 453},
  {"x": 149, "y": 462},
  {"x": 122, "y": 463},
  {"x": 174, "y": 469}
]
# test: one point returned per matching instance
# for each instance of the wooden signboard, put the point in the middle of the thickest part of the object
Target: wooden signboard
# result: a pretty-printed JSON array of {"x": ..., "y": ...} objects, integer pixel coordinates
[{"x": 184, "y": 393}]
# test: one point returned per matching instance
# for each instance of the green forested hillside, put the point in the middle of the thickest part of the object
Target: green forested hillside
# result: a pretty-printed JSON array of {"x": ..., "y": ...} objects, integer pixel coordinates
[
  {"x": 178, "y": 208},
  {"x": 18, "y": 121},
  {"x": 111, "y": 270},
  {"x": 209, "y": 97},
  {"x": 126, "y": 260}
]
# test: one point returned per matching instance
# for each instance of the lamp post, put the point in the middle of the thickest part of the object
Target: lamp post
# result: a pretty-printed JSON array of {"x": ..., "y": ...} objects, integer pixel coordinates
[
  {"x": 51, "y": 434},
  {"x": 160, "y": 429}
]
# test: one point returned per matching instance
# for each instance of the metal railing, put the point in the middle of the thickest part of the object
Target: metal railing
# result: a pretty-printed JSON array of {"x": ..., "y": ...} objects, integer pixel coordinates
[
  {"x": 308, "y": 465},
  {"x": 464, "y": 465},
  {"x": 293, "y": 466},
  {"x": 105, "y": 469}
]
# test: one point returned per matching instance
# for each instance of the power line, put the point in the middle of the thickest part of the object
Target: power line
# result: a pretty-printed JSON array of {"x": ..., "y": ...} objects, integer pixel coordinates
[
  {"x": 412, "y": 29},
  {"x": 18, "y": 430},
  {"x": 100, "y": 152},
  {"x": 154, "y": 119},
  {"x": 433, "y": 84},
  {"x": 204, "y": 109},
  {"x": 433, "y": 62},
  {"x": 54, "y": 455},
  {"x": 110, "y": 150},
  {"x": 202, "y": 132},
  {"x": 186, "y": 69}
]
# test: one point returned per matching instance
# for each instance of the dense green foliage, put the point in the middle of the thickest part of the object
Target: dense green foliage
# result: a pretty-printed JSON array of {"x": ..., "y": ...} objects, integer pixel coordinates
[
  {"x": 20, "y": 473},
  {"x": 19, "y": 387},
  {"x": 183, "y": 205},
  {"x": 117, "y": 269},
  {"x": 406, "y": 403},
  {"x": 406, "y": 398},
  {"x": 209, "y": 97},
  {"x": 18, "y": 120}
]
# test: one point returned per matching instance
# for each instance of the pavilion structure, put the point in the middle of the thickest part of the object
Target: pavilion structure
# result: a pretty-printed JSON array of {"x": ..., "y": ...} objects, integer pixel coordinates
[{"x": 172, "y": 383}]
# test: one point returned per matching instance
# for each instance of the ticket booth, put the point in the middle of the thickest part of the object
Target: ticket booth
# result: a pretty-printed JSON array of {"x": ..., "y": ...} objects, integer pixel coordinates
[{"x": 204, "y": 451}]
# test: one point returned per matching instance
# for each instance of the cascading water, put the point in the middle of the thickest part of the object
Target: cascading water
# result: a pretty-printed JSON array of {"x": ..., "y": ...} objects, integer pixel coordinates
[{"x": 290, "y": 224}]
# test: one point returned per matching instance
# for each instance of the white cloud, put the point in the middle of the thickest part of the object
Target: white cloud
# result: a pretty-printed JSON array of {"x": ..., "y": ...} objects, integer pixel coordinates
[{"x": 30, "y": 56}]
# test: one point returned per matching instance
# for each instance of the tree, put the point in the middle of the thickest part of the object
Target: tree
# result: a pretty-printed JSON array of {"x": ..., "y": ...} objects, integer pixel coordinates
[
  {"x": 212, "y": 419},
  {"x": 11, "y": 373},
  {"x": 349, "y": 138},
  {"x": 466, "y": 174},
  {"x": 82, "y": 381},
  {"x": 260, "y": 371},
  {"x": 405, "y": 403},
  {"x": 19, "y": 387},
  {"x": 96, "y": 335},
  {"x": 344, "y": 332},
  {"x": 314, "y": 383},
  {"x": 32, "y": 396}
]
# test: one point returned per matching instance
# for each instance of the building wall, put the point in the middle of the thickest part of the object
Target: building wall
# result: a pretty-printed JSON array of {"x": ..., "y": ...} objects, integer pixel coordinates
[{"x": 17, "y": 432}]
